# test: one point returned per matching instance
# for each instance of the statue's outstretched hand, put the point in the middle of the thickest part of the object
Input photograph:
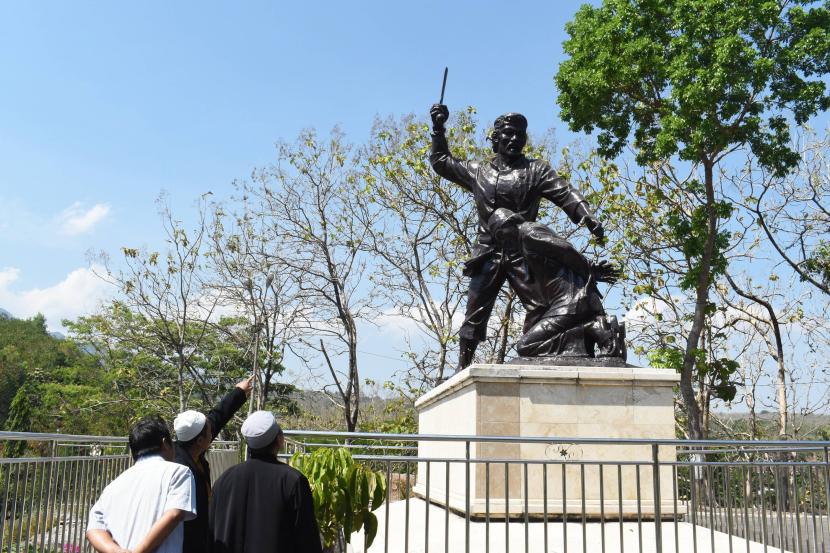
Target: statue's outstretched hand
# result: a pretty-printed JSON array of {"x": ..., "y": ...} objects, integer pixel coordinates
[
  {"x": 605, "y": 271},
  {"x": 439, "y": 113}
]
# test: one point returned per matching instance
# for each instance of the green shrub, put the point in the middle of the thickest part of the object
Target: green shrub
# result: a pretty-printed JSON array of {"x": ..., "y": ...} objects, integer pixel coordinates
[{"x": 345, "y": 493}]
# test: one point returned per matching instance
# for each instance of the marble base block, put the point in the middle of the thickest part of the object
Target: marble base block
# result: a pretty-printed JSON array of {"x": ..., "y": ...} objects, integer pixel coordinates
[{"x": 607, "y": 480}]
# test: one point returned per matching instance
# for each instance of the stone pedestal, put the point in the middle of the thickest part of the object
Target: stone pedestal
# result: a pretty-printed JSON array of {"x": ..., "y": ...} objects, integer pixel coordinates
[{"x": 602, "y": 479}]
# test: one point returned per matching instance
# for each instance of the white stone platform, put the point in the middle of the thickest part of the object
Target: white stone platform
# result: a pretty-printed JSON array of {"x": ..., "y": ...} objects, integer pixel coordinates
[
  {"x": 687, "y": 538},
  {"x": 560, "y": 402}
]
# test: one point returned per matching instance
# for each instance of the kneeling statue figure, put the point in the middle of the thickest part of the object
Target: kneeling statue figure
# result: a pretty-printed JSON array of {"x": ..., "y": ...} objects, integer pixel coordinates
[{"x": 565, "y": 317}]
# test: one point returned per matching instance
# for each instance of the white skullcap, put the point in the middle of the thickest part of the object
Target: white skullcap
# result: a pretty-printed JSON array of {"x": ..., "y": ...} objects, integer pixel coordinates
[
  {"x": 260, "y": 429},
  {"x": 188, "y": 425}
]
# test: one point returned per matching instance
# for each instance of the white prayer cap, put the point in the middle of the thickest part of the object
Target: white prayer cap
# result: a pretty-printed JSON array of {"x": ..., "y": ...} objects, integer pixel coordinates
[
  {"x": 260, "y": 429},
  {"x": 188, "y": 425}
]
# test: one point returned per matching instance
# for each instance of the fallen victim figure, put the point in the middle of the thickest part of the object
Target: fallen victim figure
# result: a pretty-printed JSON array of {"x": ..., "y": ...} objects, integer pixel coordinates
[{"x": 565, "y": 316}]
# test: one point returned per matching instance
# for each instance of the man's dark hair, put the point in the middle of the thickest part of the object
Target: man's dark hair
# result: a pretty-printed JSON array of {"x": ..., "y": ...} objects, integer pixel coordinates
[
  {"x": 192, "y": 440},
  {"x": 147, "y": 436}
]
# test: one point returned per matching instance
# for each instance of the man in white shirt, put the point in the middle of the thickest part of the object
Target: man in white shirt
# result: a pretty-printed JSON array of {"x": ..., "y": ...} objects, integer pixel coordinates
[{"x": 142, "y": 510}]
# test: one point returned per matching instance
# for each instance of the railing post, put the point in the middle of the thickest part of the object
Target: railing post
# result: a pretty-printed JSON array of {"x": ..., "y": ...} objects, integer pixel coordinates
[
  {"x": 827, "y": 482},
  {"x": 48, "y": 512},
  {"x": 655, "y": 477},
  {"x": 467, "y": 497}
]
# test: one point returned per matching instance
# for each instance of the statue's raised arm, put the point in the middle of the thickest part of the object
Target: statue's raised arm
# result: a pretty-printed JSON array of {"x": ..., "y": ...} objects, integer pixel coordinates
[{"x": 454, "y": 170}]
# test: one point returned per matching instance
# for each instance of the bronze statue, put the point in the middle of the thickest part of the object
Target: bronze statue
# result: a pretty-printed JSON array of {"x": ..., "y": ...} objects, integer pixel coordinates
[{"x": 511, "y": 181}]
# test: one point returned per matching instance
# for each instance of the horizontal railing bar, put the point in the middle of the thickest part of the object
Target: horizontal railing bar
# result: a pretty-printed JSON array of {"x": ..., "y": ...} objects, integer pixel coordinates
[
  {"x": 549, "y": 440},
  {"x": 21, "y": 460},
  {"x": 493, "y": 460},
  {"x": 746, "y": 450},
  {"x": 592, "y": 462},
  {"x": 743, "y": 463},
  {"x": 77, "y": 438},
  {"x": 784, "y": 444},
  {"x": 45, "y": 437},
  {"x": 356, "y": 446}
]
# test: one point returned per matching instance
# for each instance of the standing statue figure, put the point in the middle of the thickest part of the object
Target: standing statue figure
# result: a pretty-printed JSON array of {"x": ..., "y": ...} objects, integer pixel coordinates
[{"x": 511, "y": 181}]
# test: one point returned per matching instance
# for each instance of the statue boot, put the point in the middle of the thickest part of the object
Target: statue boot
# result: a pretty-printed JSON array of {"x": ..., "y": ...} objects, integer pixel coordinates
[
  {"x": 609, "y": 337},
  {"x": 466, "y": 350}
]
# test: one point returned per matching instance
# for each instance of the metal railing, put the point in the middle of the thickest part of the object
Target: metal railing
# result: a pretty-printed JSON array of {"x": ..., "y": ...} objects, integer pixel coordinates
[
  {"x": 475, "y": 493},
  {"x": 48, "y": 483}
]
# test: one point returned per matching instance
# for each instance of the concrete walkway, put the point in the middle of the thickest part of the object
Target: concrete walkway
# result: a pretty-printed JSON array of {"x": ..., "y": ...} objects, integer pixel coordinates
[{"x": 690, "y": 539}]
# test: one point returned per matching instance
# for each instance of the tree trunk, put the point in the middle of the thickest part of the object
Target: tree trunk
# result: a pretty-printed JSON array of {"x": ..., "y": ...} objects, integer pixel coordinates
[
  {"x": 442, "y": 360},
  {"x": 255, "y": 397},
  {"x": 181, "y": 384},
  {"x": 781, "y": 390},
  {"x": 354, "y": 381},
  {"x": 693, "y": 414},
  {"x": 687, "y": 393}
]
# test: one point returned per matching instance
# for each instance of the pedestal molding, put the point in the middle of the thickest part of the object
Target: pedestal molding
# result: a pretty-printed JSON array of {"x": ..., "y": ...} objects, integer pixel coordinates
[{"x": 532, "y": 374}]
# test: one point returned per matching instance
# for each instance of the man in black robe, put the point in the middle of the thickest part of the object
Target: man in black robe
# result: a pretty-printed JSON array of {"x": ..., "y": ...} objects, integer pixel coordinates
[
  {"x": 194, "y": 434},
  {"x": 263, "y": 505},
  {"x": 510, "y": 181},
  {"x": 565, "y": 315}
]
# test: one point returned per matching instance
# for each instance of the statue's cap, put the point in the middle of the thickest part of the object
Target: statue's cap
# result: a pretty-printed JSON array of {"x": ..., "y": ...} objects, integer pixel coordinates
[{"x": 511, "y": 120}]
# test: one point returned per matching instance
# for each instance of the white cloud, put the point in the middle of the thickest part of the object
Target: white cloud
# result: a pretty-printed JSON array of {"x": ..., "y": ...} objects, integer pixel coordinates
[
  {"x": 75, "y": 219},
  {"x": 398, "y": 325},
  {"x": 8, "y": 275},
  {"x": 394, "y": 324},
  {"x": 78, "y": 294}
]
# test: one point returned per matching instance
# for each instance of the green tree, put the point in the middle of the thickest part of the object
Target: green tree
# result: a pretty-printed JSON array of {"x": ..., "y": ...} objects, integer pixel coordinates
[
  {"x": 20, "y": 415},
  {"x": 170, "y": 289},
  {"x": 694, "y": 80},
  {"x": 49, "y": 384},
  {"x": 25, "y": 345},
  {"x": 143, "y": 370}
]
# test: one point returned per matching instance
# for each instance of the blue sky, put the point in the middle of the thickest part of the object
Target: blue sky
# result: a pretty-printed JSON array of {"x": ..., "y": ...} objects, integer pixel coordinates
[{"x": 105, "y": 105}]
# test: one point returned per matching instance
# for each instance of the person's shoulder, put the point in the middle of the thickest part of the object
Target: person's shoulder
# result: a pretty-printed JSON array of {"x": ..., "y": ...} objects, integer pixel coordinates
[
  {"x": 127, "y": 477},
  {"x": 294, "y": 473},
  {"x": 296, "y": 479},
  {"x": 287, "y": 473},
  {"x": 175, "y": 469},
  {"x": 283, "y": 468}
]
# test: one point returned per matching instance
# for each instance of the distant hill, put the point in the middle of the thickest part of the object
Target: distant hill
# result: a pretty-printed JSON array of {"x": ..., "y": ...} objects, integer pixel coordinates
[{"x": 5, "y": 314}]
